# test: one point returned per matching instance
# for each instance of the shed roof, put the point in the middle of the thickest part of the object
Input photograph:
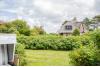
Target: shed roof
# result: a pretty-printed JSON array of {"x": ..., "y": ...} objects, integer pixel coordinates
[{"x": 7, "y": 38}]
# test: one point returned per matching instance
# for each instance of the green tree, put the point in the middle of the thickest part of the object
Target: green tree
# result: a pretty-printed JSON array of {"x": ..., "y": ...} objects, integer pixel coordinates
[
  {"x": 37, "y": 30},
  {"x": 87, "y": 21},
  {"x": 21, "y": 26},
  {"x": 97, "y": 18},
  {"x": 5, "y": 29},
  {"x": 74, "y": 19},
  {"x": 76, "y": 32}
]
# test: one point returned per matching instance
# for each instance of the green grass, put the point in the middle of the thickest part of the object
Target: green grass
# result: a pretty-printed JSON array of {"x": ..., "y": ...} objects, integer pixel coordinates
[{"x": 47, "y": 58}]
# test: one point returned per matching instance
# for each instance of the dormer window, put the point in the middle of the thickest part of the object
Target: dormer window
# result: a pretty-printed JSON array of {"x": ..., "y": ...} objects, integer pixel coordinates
[{"x": 68, "y": 27}]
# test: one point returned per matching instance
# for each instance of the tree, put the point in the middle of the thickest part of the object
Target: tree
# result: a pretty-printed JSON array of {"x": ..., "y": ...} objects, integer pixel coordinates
[
  {"x": 87, "y": 21},
  {"x": 97, "y": 18},
  {"x": 5, "y": 29},
  {"x": 76, "y": 32},
  {"x": 74, "y": 19},
  {"x": 21, "y": 26},
  {"x": 37, "y": 30}
]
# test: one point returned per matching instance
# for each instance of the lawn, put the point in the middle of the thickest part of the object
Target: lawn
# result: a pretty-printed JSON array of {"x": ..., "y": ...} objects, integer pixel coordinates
[{"x": 47, "y": 58}]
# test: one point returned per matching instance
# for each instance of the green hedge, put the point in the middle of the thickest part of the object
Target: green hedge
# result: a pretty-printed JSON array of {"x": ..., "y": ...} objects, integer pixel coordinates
[
  {"x": 21, "y": 54},
  {"x": 95, "y": 37},
  {"x": 54, "y": 42},
  {"x": 86, "y": 56}
]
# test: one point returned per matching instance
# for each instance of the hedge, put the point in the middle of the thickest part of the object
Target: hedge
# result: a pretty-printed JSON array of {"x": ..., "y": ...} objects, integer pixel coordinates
[
  {"x": 95, "y": 37},
  {"x": 86, "y": 56},
  {"x": 54, "y": 42}
]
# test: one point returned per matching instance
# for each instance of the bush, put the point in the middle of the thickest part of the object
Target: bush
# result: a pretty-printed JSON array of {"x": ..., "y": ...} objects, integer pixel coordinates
[
  {"x": 53, "y": 42},
  {"x": 85, "y": 40},
  {"x": 85, "y": 56},
  {"x": 76, "y": 32},
  {"x": 94, "y": 36},
  {"x": 21, "y": 54}
]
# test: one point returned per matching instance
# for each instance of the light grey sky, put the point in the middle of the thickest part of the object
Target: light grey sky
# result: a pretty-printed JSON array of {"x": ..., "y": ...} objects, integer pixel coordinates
[{"x": 49, "y": 13}]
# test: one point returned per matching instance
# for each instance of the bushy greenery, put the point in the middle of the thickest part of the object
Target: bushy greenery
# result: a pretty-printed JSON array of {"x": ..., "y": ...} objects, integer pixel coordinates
[
  {"x": 4, "y": 29},
  {"x": 37, "y": 30},
  {"x": 76, "y": 32},
  {"x": 54, "y": 42},
  {"x": 86, "y": 47},
  {"x": 94, "y": 36},
  {"x": 21, "y": 54},
  {"x": 85, "y": 56},
  {"x": 88, "y": 54},
  {"x": 20, "y": 27}
]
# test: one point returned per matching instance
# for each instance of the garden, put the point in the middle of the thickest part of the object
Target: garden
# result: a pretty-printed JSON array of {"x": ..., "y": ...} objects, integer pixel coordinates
[
  {"x": 79, "y": 50},
  {"x": 37, "y": 48}
]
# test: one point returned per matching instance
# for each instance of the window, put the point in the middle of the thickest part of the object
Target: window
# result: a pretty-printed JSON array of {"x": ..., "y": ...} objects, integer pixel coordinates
[{"x": 68, "y": 27}]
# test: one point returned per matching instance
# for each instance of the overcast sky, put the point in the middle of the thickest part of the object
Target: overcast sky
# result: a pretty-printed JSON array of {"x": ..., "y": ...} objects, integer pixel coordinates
[{"x": 48, "y": 13}]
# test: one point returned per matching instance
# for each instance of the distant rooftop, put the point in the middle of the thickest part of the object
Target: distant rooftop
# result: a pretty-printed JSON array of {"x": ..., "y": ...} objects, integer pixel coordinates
[{"x": 2, "y": 22}]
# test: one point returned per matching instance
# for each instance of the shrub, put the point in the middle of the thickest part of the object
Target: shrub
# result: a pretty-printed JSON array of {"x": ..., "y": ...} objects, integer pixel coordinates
[
  {"x": 21, "y": 54},
  {"x": 85, "y": 56},
  {"x": 76, "y": 32},
  {"x": 53, "y": 42},
  {"x": 85, "y": 40},
  {"x": 95, "y": 36}
]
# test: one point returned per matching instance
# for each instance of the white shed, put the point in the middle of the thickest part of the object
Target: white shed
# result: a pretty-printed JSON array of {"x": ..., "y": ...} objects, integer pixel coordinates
[{"x": 7, "y": 48}]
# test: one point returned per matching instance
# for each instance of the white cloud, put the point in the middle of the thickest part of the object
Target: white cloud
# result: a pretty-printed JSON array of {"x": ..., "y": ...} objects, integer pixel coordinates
[
  {"x": 50, "y": 13},
  {"x": 49, "y": 6}
]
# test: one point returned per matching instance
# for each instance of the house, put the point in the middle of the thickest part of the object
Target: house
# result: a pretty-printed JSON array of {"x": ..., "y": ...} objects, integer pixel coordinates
[
  {"x": 7, "y": 48},
  {"x": 68, "y": 27},
  {"x": 94, "y": 26},
  {"x": 1, "y": 22}
]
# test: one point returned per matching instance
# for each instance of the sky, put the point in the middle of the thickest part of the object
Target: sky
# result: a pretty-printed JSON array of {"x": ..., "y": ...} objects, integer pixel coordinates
[{"x": 48, "y": 13}]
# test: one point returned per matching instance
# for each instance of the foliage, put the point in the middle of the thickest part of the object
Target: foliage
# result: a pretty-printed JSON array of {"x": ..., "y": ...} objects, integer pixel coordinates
[
  {"x": 54, "y": 42},
  {"x": 88, "y": 54},
  {"x": 87, "y": 22},
  {"x": 74, "y": 19},
  {"x": 21, "y": 26},
  {"x": 97, "y": 18},
  {"x": 76, "y": 32},
  {"x": 5, "y": 29},
  {"x": 16, "y": 26},
  {"x": 37, "y": 30},
  {"x": 95, "y": 37},
  {"x": 85, "y": 56},
  {"x": 21, "y": 54}
]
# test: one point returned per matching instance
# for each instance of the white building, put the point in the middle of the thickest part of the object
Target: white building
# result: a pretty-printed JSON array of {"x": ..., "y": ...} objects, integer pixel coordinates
[{"x": 7, "y": 48}]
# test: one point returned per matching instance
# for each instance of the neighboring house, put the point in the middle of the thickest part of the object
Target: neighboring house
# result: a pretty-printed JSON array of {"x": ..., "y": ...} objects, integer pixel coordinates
[
  {"x": 7, "y": 48},
  {"x": 68, "y": 27},
  {"x": 1, "y": 22},
  {"x": 94, "y": 26}
]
